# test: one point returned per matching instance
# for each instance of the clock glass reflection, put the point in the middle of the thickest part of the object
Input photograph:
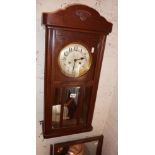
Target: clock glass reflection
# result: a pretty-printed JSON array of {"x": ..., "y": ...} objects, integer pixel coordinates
[{"x": 70, "y": 106}]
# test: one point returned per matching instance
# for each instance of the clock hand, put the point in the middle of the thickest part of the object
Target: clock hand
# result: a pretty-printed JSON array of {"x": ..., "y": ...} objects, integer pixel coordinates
[
  {"x": 79, "y": 58},
  {"x": 74, "y": 65},
  {"x": 75, "y": 62}
]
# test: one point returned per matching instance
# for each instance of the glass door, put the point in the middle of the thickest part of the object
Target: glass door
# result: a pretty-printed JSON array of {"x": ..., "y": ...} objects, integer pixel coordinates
[{"x": 70, "y": 106}]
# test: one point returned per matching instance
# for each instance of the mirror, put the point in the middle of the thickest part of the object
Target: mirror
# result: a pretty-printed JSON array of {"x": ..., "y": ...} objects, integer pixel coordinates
[{"x": 87, "y": 146}]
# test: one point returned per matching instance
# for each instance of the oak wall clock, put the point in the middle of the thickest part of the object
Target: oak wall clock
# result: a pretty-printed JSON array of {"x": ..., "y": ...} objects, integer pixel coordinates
[{"x": 74, "y": 47}]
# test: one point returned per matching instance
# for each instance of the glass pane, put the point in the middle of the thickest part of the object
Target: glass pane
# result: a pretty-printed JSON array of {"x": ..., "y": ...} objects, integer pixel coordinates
[
  {"x": 70, "y": 106},
  {"x": 71, "y": 102},
  {"x": 56, "y": 108},
  {"x": 91, "y": 148},
  {"x": 85, "y": 105}
]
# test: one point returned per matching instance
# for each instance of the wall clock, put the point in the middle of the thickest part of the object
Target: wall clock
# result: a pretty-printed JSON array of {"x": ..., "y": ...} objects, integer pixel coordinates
[{"x": 74, "y": 48}]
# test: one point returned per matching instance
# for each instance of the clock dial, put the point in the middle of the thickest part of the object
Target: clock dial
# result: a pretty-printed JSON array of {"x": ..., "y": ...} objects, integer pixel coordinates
[{"x": 74, "y": 60}]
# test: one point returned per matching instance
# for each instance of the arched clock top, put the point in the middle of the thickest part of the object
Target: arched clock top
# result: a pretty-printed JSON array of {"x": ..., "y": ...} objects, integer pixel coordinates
[{"x": 78, "y": 17}]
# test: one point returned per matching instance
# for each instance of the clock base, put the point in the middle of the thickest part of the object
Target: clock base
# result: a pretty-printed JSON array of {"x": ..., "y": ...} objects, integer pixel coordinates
[{"x": 66, "y": 131}]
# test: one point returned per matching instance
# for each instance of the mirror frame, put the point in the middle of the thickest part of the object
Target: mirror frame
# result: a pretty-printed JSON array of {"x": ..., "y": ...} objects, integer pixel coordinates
[{"x": 84, "y": 140}]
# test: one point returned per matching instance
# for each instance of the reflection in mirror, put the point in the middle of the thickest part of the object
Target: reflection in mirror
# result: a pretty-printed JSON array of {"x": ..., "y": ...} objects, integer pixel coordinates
[
  {"x": 71, "y": 102},
  {"x": 86, "y": 146},
  {"x": 56, "y": 107},
  {"x": 77, "y": 149},
  {"x": 56, "y": 113},
  {"x": 91, "y": 147},
  {"x": 86, "y": 100},
  {"x": 56, "y": 110}
]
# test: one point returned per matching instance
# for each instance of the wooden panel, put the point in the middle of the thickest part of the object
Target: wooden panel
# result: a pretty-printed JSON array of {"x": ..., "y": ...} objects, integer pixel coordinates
[
  {"x": 63, "y": 38},
  {"x": 51, "y": 150},
  {"x": 47, "y": 83},
  {"x": 79, "y": 17}
]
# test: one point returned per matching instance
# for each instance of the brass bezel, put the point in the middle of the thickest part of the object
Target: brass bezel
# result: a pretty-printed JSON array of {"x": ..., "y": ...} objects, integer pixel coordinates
[{"x": 82, "y": 71}]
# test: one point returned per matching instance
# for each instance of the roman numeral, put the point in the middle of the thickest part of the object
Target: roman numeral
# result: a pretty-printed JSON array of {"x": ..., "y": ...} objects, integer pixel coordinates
[
  {"x": 75, "y": 48},
  {"x": 63, "y": 59},
  {"x": 70, "y": 49},
  {"x": 66, "y": 53}
]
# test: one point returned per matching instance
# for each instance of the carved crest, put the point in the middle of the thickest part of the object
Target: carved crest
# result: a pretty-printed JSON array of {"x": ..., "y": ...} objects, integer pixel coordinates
[{"x": 82, "y": 14}]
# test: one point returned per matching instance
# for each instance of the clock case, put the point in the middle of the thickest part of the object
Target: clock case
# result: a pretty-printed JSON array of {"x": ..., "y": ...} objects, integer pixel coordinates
[{"x": 75, "y": 24}]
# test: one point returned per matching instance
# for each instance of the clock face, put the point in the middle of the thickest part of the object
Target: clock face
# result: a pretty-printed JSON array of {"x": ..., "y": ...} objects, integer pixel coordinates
[{"x": 74, "y": 60}]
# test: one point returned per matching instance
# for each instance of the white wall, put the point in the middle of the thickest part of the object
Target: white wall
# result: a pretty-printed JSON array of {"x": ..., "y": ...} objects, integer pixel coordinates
[
  {"x": 111, "y": 129},
  {"x": 107, "y": 94}
]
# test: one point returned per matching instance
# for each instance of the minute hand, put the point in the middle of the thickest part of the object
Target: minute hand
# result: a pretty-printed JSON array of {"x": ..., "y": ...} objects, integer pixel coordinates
[
  {"x": 79, "y": 59},
  {"x": 76, "y": 60},
  {"x": 74, "y": 64}
]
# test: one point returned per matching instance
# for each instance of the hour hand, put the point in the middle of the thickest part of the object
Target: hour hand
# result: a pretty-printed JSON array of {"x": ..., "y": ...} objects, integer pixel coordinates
[
  {"x": 82, "y": 58},
  {"x": 74, "y": 64},
  {"x": 79, "y": 59}
]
